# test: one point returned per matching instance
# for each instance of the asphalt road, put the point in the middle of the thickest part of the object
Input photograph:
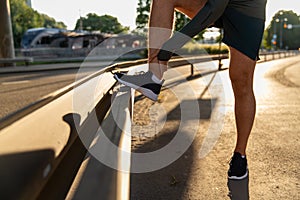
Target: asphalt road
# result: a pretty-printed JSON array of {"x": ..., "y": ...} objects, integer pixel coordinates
[{"x": 18, "y": 90}]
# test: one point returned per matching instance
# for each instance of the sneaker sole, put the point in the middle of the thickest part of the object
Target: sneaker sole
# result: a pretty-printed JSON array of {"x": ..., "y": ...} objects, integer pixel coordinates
[
  {"x": 238, "y": 177},
  {"x": 146, "y": 92}
]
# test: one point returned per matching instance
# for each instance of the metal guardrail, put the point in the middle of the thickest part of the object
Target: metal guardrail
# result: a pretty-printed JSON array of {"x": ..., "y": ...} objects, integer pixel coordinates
[
  {"x": 26, "y": 60},
  {"x": 41, "y": 149},
  {"x": 179, "y": 61},
  {"x": 271, "y": 55},
  {"x": 30, "y": 60}
]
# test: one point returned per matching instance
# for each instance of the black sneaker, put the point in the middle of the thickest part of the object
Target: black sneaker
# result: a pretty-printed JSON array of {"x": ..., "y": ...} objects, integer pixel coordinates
[
  {"x": 238, "y": 168},
  {"x": 142, "y": 82}
]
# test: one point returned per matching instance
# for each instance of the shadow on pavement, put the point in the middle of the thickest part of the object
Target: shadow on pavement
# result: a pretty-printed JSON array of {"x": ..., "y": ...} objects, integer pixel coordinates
[
  {"x": 206, "y": 107},
  {"x": 168, "y": 182},
  {"x": 171, "y": 181},
  {"x": 22, "y": 173},
  {"x": 238, "y": 189}
]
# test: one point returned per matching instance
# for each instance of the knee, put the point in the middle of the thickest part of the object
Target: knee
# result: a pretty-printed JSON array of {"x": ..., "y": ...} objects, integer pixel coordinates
[
  {"x": 242, "y": 83},
  {"x": 241, "y": 72}
]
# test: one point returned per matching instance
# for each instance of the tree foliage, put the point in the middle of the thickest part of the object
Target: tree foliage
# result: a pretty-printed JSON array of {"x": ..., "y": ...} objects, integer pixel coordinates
[
  {"x": 104, "y": 24},
  {"x": 278, "y": 33},
  {"x": 143, "y": 11},
  {"x": 23, "y": 18}
]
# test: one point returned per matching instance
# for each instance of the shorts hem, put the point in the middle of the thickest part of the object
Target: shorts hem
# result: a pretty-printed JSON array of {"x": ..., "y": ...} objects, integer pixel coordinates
[{"x": 237, "y": 47}]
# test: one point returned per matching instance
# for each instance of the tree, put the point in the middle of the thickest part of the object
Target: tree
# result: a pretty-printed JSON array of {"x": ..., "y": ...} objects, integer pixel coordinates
[
  {"x": 278, "y": 34},
  {"x": 50, "y": 22},
  {"x": 23, "y": 18},
  {"x": 181, "y": 20},
  {"x": 104, "y": 23},
  {"x": 143, "y": 11}
]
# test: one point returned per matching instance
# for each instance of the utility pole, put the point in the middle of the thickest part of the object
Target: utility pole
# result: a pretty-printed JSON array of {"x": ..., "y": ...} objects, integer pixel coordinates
[
  {"x": 80, "y": 21},
  {"x": 6, "y": 37}
]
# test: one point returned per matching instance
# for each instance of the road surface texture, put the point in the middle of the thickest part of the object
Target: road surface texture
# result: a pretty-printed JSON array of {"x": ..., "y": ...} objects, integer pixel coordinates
[
  {"x": 18, "y": 90},
  {"x": 201, "y": 171}
]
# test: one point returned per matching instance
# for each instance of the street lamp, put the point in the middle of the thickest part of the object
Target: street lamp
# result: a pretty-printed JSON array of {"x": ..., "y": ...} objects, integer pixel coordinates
[
  {"x": 281, "y": 30},
  {"x": 281, "y": 20},
  {"x": 274, "y": 40}
]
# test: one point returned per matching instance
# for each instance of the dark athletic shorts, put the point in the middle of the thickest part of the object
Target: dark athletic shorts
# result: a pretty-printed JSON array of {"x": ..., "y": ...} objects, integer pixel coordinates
[{"x": 241, "y": 31}]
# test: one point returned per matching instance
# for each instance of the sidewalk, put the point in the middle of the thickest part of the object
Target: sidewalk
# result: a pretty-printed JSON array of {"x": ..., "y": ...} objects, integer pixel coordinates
[{"x": 273, "y": 146}]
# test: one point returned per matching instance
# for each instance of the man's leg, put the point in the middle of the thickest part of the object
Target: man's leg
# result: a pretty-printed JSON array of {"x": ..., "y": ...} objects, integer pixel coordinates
[
  {"x": 161, "y": 26},
  {"x": 160, "y": 30},
  {"x": 241, "y": 72}
]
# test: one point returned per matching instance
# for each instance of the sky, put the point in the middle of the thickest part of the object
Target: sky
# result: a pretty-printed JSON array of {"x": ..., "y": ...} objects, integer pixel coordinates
[{"x": 68, "y": 11}]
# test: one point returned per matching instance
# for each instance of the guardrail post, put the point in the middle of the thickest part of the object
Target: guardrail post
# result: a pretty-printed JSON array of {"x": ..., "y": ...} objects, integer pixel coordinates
[
  {"x": 131, "y": 103},
  {"x": 220, "y": 64},
  {"x": 265, "y": 57},
  {"x": 192, "y": 69}
]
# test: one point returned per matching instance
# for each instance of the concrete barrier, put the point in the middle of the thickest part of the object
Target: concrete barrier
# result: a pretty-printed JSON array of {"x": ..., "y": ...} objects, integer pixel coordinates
[{"x": 42, "y": 151}]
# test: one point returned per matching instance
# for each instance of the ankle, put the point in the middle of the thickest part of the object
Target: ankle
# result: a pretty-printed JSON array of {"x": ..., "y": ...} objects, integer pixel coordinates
[
  {"x": 158, "y": 68},
  {"x": 157, "y": 75},
  {"x": 156, "y": 79},
  {"x": 156, "y": 72},
  {"x": 242, "y": 152}
]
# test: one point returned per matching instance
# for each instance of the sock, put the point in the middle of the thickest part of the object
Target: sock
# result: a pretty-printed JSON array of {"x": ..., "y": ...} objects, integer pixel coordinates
[
  {"x": 242, "y": 156},
  {"x": 155, "y": 79}
]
